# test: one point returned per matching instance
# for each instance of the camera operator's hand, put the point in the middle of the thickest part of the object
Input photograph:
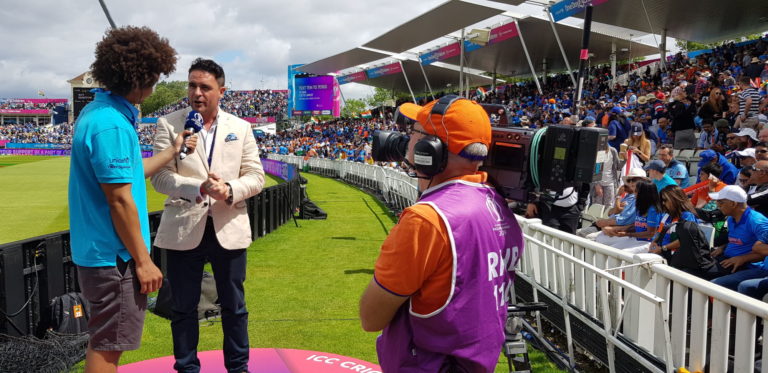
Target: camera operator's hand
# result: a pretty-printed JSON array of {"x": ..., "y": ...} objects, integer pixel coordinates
[{"x": 531, "y": 211}]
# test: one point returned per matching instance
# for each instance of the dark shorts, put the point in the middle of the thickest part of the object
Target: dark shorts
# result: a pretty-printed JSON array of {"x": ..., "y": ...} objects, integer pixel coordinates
[{"x": 117, "y": 306}]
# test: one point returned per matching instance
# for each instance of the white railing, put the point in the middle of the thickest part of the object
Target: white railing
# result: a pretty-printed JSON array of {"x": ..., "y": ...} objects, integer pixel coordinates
[
  {"x": 397, "y": 188},
  {"x": 640, "y": 308}
]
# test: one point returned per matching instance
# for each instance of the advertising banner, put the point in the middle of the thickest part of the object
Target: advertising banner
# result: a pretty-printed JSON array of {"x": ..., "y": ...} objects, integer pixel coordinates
[
  {"x": 314, "y": 95},
  {"x": 16, "y": 145},
  {"x": 277, "y": 168},
  {"x": 351, "y": 78},
  {"x": 260, "y": 119},
  {"x": 53, "y": 152},
  {"x": 25, "y": 111},
  {"x": 567, "y": 8},
  {"x": 377, "y": 72},
  {"x": 501, "y": 33},
  {"x": 34, "y": 100},
  {"x": 336, "y": 99},
  {"x": 448, "y": 51}
]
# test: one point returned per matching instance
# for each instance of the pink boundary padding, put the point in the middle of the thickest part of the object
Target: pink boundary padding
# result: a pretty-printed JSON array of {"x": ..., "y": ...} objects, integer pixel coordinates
[{"x": 264, "y": 360}]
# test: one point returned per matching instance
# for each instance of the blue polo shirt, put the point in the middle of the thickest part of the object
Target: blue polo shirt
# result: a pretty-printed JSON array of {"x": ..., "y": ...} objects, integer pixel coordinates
[
  {"x": 648, "y": 222},
  {"x": 677, "y": 170},
  {"x": 685, "y": 216},
  {"x": 664, "y": 182},
  {"x": 752, "y": 227},
  {"x": 105, "y": 150},
  {"x": 628, "y": 214}
]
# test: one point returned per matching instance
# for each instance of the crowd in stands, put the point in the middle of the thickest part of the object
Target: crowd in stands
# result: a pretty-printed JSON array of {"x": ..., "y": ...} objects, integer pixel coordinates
[
  {"x": 713, "y": 107},
  {"x": 265, "y": 103},
  {"x": 29, "y": 133},
  {"x": 21, "y": 105},
  {"x": 342, "y": 139}
]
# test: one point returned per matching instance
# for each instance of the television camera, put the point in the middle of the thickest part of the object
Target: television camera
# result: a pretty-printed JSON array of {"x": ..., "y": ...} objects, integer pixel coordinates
[{"x": 525, "y": 165}]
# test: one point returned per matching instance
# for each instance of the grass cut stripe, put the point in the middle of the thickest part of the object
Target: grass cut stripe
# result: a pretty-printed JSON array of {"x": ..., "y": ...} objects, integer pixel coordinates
[{"x": 34, "y": 196}]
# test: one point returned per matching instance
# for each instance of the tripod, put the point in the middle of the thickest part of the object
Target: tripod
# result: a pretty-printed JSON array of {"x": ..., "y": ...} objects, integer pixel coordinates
[{"x": 515, "y": 348}]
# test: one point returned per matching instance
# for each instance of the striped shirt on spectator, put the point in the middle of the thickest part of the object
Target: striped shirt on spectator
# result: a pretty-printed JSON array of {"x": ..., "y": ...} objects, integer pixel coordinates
[{"x": 749, "y": 92}]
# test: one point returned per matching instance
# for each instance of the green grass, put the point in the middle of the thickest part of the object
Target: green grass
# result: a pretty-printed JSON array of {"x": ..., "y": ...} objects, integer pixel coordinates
[
  {"x": 33, "y": 191},
  {"x": 303, "y": 283}
]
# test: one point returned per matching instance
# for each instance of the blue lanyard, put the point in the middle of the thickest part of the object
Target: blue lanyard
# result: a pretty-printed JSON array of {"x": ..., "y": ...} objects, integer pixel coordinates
[{"x": 213, "y": 144}]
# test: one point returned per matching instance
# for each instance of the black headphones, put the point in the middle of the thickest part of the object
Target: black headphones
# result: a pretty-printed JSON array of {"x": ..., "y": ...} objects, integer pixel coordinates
[{"x": 430, "y": 154}]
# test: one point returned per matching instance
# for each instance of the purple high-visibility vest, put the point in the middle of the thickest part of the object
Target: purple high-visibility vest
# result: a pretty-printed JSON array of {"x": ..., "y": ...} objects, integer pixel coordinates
[{"x": 468, "y": 330}]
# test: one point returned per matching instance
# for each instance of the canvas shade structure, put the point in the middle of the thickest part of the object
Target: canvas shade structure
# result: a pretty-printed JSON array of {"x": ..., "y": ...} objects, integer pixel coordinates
[
  {"x": 508, "y": 57},
  {"x": 444, "y": 19},
  {"x": 341, "y": 61},
  {"x": 439, "y": 79},
  {"x": 703, "y": 21}
]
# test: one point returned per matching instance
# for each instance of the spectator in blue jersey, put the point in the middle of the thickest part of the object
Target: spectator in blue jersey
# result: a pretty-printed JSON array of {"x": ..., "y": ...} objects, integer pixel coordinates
[
  {"x": 676, "y": 207},
  {"x": 675, "y": 169},
  {"x": 729, "y": 170},
  {"x": 747, "y": 237},
  {"x": 664, "y": 132},
  {"x": 618, "y": 128},
  {"x": 636, "y": 238},
  {"x": 623, "y": 212},
  {"x": 656, "y": 171}
]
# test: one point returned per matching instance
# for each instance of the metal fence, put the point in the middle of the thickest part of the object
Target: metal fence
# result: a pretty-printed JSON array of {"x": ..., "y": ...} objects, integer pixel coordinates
[
  {"x": 632, "y": 313},
  {"x": 396, "y": 188},
  {"x": 35, "y": 270}
]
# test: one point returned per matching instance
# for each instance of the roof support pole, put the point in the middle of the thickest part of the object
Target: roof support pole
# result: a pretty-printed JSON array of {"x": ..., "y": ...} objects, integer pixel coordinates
[
  {"x": 560, "y": 44},
  {"x": 106, "y": 13},
  {"x": 342, "y": 96},
  {"x": 663, "y": 50},
  {"x": 544, "y": 71},
  {"x": 583, "y": 57},
  {"x": 426, "y": 80},
  {"x": 466, "y": 86},
  {"x": 613, "y": 64},
  {"x": 461, "y": 64},
  {"x": 493, "y": 84},
  {"x": 402, "y": 68},
  {"x": 528, "y": 56}
]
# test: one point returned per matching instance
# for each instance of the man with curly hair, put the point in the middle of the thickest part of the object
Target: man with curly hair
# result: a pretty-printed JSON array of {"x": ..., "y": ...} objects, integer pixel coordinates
[{"x": 109, "y": 228}]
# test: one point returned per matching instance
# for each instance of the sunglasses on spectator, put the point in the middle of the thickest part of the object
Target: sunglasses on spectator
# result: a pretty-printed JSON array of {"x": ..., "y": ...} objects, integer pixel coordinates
[
  {"x": 761, "y": 151},
  {"x": 755, "y": 169}
]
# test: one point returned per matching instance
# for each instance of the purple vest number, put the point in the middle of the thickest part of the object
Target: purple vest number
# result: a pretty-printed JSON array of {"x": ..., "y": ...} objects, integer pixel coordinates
[{"x": 468, "y": 329}]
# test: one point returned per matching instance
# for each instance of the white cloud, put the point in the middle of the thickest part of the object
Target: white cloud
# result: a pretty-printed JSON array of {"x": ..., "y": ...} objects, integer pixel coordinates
[{"x": 46, "y": 42}]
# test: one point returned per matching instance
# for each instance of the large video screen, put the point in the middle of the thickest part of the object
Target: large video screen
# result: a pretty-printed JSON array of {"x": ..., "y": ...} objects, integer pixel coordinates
[{"x": 317, "y": 95}]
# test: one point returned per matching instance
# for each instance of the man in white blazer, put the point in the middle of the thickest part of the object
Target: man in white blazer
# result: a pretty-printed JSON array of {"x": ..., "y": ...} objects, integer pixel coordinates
[{"x": 205, "y": 217}]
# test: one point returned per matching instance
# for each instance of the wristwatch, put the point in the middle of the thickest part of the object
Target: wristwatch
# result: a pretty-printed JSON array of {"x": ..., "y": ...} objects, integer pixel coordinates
[{"x": 231, "y": 194}]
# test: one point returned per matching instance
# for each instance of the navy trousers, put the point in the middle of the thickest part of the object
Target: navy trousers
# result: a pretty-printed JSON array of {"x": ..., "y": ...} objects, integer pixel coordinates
[{"x": 185, "y": 272}]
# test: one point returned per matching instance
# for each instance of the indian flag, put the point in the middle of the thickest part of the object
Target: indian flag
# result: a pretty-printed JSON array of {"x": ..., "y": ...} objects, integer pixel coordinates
[
  {"x": 366, "y": 114},
  {"x": 313, "y": 120},
  {"x": 481, "y": 92}
]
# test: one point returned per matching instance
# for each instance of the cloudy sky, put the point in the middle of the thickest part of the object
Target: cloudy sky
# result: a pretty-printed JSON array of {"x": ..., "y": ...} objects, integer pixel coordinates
[{"x": 47, "y": 42}]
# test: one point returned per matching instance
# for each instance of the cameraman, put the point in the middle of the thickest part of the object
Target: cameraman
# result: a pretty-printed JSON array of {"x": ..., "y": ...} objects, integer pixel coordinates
[
  {"x": 560, "y": 211},
  {"x": 442, "y": 280}
]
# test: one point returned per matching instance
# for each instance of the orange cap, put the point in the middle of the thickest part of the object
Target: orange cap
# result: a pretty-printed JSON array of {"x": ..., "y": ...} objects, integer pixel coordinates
[
  {"x": 551, "y": 100},
  {"x": 466, "y": 123}
]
